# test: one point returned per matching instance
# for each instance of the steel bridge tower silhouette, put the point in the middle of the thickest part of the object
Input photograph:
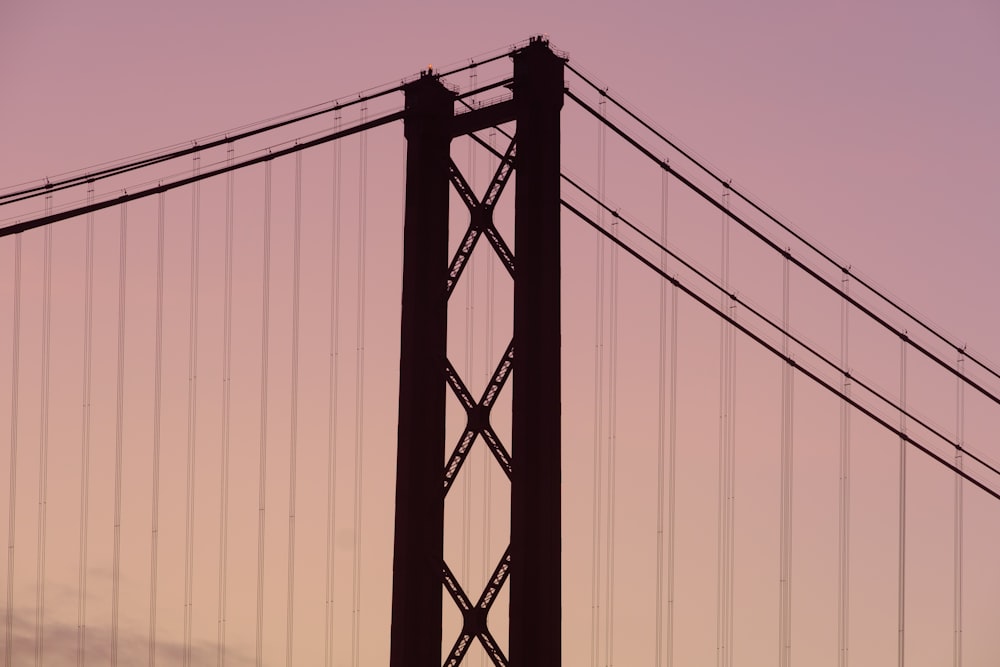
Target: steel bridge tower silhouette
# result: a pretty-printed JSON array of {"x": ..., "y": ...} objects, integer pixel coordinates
[
  {"x": 533, "y": 557},
  {"x": 516, "y": 421}
]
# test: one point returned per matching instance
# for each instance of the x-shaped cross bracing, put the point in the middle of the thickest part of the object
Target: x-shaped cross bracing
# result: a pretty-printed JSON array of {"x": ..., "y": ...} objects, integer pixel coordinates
[{"x": 478, "y": 412}]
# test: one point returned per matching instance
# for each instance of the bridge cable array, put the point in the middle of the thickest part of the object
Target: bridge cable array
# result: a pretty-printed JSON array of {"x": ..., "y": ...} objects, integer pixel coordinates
[
  {"x": 826, "y": 256},
  {"x": 774, "y": 350},
  {"x": 803, "y": 344},
  {"x": 946, "y": 366},
  {"x": 788, "y": 377},
  {"x": 195, "y": 146},
  {"x": 149, "y": 158},
  {"x": 263, "y": 156},
  {"x": 726, "y": 311},
  {"x": 847, "y": 378}
]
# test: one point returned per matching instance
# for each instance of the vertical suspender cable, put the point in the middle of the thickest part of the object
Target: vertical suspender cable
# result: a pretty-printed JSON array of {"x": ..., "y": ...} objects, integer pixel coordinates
[
  {"x": 959, "y": 516},
  {"x": 119, "y": 436},
  {"x": 731, "y": 470},
  {"x": 720, "y": 546},
  {"x": 470, "y": 286},
  {"x": 785, "y": 575},
  {"x": 227, "y": 363},
  {"x": 11, "y": 506},
  {"x": 901, "y": 613},
  {"x": 43, "y": 450},
  {"x": 672, "y": 482},
  {"x": 331, "y": 452},
  {"x": 612, "y": 405},
  {"x": 725, "y": 550},
  {"x": 192, "y": 413},
  {"x": 595, "y": 592},
  {"x": 661, "y": 435},
  {"x": 293, "y": 439},
  {"x": 487, "y": 371},
  {"x": 790, "y": 474},
  {"x": 359, "y": 388},
  {"x": 843, "y": 597},
  {"x": 157, "y": 406},
  {"x": 470, "y": 292},
  {"x": 88, "y": 337},
  {"x": 262, "y": 469}
]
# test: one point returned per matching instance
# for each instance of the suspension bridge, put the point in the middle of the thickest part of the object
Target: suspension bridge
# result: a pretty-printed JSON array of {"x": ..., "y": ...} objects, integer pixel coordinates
[{"x": 483, "y": 367}]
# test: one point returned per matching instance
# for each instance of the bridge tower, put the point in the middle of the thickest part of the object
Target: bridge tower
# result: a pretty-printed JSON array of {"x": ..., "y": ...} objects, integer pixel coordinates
[{"x": 532, "y": 561}]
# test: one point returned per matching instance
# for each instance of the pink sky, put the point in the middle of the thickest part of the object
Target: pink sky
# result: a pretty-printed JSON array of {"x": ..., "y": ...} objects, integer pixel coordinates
[{"x": 873, "y": 128}]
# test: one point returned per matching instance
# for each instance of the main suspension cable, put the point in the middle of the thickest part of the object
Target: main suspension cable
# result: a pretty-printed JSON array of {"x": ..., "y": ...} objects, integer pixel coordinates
[
  {"x": 760, "y": 341},
  {"x": 805, "y": 346},
  {"x": 157, "y": 156},
  {"x": 737, "y": 300},
  {"x": 193, "y": 147},
  {"x": 603, "y": 91},
  {"x": 881, "y": 321},
  {"x": 25, "y": 225}
]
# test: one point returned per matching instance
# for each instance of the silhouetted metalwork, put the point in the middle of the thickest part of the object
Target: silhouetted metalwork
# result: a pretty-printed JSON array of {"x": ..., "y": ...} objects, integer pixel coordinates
[{"x": 533, "y": 557}]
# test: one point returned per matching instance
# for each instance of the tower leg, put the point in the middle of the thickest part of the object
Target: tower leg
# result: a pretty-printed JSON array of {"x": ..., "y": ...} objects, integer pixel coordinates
[
  {"x": 419, "y": 526},
  {"x": 535, "y": 580}
]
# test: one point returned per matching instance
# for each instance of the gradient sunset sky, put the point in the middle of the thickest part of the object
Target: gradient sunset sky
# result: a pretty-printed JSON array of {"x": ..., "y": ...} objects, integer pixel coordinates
[{"x": 872, "y": 127}]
